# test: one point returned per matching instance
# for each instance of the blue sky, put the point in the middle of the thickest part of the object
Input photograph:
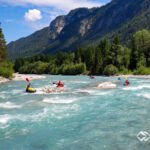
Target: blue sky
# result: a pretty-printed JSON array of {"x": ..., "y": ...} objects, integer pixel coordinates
[{"x": 21, "y": 18}]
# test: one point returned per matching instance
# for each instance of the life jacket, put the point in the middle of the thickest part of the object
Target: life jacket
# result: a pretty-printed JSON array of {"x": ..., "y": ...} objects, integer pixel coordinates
[
  {"x": 127, "y": 83},
  {"x": 59, "y": 84}
]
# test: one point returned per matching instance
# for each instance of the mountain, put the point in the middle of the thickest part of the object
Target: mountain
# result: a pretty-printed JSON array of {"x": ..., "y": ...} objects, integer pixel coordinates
[{"x": 85, "y": 26}]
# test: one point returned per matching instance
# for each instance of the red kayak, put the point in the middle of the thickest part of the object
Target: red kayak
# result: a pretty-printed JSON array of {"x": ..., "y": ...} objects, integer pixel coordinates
[
  {"x": 92, "y": 77},
  {"x": 60, "y": 85}
]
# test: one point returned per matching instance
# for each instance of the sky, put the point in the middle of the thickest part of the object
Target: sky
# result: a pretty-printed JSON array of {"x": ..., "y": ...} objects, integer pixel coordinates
[{"x": 20, "y": 18}]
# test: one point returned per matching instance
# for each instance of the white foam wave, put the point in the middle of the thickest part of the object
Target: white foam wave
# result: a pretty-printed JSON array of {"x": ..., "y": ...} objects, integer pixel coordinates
[
  {"x": 59, "y": 100},
  {"x": 39, "y": 93},
  {"x": 17, "y": 91},
  {"x": 137, "y": 88},
  {"x": 94, "y": 92},
  {"x": 25, "y": 131},
  {"x": 2, "y": 96},
  {"x": 77, "y": 82},
  {"x": 102, "y": 93},
  {"x": 146, "y": 95},
  {"x": 143, "y": 81},
  {"x": 36, "y": 117},
  {"x": 54, "y": 112},
  {"x": 9, "y": 105},
  {"x": 4, "y": 126},
  {"x": 5, "y": 118},
  {"x": 4, "y": 92}
]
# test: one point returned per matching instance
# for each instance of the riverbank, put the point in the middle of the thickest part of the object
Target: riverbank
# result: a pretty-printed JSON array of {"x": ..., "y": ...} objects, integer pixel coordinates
[
  {"x": 135, "y": 76},
  {"x": 21, "y": 77},
  {"x": 4, "y": 80}
]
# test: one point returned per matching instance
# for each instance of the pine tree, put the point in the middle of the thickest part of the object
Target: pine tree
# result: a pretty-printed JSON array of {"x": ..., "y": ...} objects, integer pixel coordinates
[
  {"x": 3, "y": 47},
  {"x": 89, "y": 54},
  {"x": 113, "y": 52},
  {"x": 98, "y": 61},
  {"x": 78, "y": 56},
  {"x": 134, "y": 55},
  {"x": 103, "y": 46}
]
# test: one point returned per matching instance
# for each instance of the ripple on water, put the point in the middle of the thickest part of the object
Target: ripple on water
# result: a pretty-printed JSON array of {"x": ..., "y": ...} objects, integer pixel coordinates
[
  {"x": 137, "y": 87},
  {"x": 3, "y": 96},
  {"x": 60, "y": 100},
  {"x": 145, "y": 95},
  {"x": 17, "y": 91},
  {"x": 5, "y": 118},
  {"x": 9, "y": 105},
  {"x": 93, "y": 92},
  {"x": 34, "y": 117}
]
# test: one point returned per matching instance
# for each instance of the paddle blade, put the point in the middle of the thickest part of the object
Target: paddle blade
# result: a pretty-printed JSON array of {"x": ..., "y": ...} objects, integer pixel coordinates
[{"x": 27, "y": 80}]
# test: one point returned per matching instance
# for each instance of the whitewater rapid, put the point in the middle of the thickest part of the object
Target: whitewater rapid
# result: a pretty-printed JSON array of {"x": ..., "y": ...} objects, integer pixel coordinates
[{"x": 87, "y": 116}]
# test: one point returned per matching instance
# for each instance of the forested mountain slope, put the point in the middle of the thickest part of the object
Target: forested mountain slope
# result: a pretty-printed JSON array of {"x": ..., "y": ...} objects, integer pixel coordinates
[{"x": 84, "y": 26}]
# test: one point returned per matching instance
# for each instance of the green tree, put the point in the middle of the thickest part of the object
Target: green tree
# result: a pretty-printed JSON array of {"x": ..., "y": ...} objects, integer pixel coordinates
[
  {"x": 110, "y": 70},
  {"x": 113, "y": 52},
  {"x": 142, "y": 61},
  {"x": 98, "y": 61},
  {"x": 104, "y": 47},
  {"x": 116, "y": 40},
  {"x": 3, "y": 47},
  {"x": 6, "y": 69},
  {"x": 19, "y": 62},
  {"x": 89, "y": 56},
  {"x": 78, "y": 55},
  {"x": 123, "y": 58},
  {"x": 140, "y": 45}
]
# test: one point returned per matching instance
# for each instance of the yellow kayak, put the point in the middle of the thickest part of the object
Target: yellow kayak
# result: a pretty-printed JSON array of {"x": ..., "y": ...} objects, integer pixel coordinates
[{"x": 30, "y": 90}]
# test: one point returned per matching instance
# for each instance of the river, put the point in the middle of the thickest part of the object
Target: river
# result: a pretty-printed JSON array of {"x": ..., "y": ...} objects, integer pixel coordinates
[{"x": 83, "y": 118}]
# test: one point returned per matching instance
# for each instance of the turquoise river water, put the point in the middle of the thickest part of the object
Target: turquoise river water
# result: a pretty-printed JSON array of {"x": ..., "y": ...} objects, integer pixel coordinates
[{"x": 84, "y": 118}]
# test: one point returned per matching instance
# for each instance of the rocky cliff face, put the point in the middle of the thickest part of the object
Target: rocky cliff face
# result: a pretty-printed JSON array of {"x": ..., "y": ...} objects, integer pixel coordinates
[
  {"x": 60, "y": 22},
  {"x": 56, "y": 26},
  {"x": 85, "y": 26},
  {"x": 77, "y": 14}
]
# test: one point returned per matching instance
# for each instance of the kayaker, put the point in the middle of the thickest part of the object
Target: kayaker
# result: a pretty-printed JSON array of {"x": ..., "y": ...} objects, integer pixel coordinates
[
  {"x": 27, "y": 87},
  {"x": 60, "y": 84},
  {"x": 92, "y": 77},
  {"x": 119, "y": 78},
  {"x": 127, "y": 83}
]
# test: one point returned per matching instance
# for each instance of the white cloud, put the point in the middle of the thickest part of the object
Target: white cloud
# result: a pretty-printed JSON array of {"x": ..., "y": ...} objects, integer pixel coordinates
[
  {"x": 49, "y": 8},
  {"x": 65, "y": 5},
  {"x": 33, "y": 15}
]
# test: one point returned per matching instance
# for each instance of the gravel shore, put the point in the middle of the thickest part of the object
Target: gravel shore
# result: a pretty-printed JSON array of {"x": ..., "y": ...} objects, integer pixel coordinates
[
  {"x": 21, "y": 77},
  {"x": 136, "y": 76}
]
